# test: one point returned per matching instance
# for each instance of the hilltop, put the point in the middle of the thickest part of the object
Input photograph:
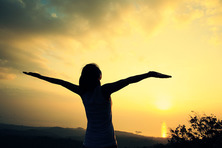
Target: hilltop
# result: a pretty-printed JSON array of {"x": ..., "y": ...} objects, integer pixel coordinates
[{"x": 58, "y": 137}]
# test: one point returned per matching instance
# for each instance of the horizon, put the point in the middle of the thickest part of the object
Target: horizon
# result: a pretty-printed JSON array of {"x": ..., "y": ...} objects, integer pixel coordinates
[
  {"x": 125, "y": 38},
  {"x": 118, "y": 131}
]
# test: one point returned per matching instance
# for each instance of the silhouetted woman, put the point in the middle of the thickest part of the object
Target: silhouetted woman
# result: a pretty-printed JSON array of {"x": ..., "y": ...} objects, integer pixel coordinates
[{"x": 97, "y": 102}]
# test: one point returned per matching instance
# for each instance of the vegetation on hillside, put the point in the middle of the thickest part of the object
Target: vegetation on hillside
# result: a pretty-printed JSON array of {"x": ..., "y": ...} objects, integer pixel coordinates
[{"x": 204, "y": 131}]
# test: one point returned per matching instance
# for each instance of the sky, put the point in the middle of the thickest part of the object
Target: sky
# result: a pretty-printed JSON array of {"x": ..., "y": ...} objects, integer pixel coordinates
[{"x": 57, "y": 38}]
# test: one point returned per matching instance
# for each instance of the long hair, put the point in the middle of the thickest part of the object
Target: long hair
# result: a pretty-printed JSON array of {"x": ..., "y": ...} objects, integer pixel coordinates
[{"x": 90, "y": 77}]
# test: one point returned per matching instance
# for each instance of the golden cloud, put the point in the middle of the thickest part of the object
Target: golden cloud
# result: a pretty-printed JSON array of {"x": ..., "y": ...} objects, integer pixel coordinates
[{"x": 6, "y": 74}]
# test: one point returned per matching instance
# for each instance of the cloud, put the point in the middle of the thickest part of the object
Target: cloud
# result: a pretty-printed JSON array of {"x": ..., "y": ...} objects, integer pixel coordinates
[
  {"x": 19, "y": 59},
  {"x": 215, "y": 20},
  {"x": 35, "y": 32},
  {"x": 32, "y": 32},
  {"x": 207, "y": 13},
  {"x": 6, "y": 74},
  {"x": 26, "y": 17},
  {"x": 107, "y": 18},
  {"x": 78, "y": 17}
]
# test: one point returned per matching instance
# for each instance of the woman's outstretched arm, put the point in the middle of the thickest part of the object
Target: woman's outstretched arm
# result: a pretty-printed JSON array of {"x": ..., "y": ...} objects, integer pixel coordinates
[
  {"x": 74, "y": 88},
  {"x": 110, "y": 88}
]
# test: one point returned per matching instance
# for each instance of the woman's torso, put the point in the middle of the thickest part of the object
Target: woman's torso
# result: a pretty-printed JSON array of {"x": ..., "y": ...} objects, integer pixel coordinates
[{"x": 100, "y": 131}]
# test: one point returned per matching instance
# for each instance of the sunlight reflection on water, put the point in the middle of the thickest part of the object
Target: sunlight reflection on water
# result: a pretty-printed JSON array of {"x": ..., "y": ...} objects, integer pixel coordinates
[{"x": 164, "y": 130}]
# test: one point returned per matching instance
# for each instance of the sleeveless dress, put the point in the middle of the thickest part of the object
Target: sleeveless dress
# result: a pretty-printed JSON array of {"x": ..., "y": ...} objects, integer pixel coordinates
[{"x": 100, "y": 131}]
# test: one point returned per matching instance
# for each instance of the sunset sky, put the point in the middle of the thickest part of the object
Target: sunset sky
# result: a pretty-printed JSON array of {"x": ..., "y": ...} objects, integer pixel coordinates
[{"x": 56, "y": 38}]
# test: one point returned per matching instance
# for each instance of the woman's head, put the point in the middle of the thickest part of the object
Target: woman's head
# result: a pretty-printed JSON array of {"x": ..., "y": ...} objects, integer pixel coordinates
[{"x": 90, "y": 77}]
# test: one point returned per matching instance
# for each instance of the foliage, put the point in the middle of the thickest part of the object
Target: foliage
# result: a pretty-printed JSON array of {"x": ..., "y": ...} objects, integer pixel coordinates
[{"x": 204, "y": 131}]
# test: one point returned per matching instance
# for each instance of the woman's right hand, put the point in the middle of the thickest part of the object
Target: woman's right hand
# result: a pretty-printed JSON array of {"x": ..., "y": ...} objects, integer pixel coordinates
[{"x": 158, "y": 75}]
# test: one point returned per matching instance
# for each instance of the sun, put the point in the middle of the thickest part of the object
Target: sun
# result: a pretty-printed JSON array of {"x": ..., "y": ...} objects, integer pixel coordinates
[{"x": 163, "y": 104}]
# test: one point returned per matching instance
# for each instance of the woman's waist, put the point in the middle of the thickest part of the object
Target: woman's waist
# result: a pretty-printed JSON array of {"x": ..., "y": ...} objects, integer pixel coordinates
[
  {"x": 100, "y": 138},
  {"x": 100, "y": 127}
]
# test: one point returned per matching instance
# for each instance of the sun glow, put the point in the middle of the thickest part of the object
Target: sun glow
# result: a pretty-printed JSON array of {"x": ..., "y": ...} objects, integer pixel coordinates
[
  {"x": 164, "y": 130},
  {"x": 163, "y": 104}
]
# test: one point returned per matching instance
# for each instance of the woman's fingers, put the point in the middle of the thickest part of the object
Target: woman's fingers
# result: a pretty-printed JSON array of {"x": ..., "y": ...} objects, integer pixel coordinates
[
  {"x": 159, "y": 75},
  {"x": 25, "y": 72},
  {"x": 164, "y": 76},
  {"x": 31, "y": 73}
]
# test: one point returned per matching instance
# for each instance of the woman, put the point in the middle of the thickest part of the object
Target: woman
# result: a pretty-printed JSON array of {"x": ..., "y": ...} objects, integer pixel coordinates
[{"x": 97, "y": 102}]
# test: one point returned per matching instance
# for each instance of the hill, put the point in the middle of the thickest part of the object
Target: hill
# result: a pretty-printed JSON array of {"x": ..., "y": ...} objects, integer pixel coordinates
[{"x": 57, "y": 137}]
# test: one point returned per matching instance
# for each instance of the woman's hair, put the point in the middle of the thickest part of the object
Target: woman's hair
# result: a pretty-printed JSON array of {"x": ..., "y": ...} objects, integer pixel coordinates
[{"x": 90, "y": 77}]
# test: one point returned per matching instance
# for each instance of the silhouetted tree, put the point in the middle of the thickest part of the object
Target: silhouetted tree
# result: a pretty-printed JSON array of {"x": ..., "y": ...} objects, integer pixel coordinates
[{"x": 204, "y": 131}]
